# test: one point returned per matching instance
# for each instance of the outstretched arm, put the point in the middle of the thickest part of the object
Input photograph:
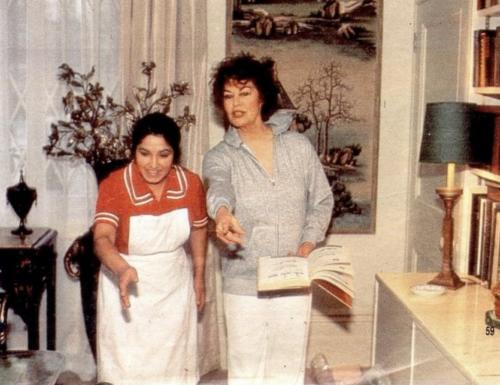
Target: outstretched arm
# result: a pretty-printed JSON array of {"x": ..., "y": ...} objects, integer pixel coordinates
[
  {"x": 227, "y": 227},
  {"x": 198, "y": 243},
  {"x": 105, "y": 249}
]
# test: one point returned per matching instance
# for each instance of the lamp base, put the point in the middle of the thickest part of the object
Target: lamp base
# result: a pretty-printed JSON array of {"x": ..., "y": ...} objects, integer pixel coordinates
[{"x": 448, "y": 279}]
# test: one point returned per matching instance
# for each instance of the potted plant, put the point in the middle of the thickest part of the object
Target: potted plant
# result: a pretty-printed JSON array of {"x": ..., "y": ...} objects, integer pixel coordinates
[{"x": 97, "y": 128}]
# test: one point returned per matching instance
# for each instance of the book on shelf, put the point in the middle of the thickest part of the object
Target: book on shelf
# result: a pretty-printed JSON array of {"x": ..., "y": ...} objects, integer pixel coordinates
[
  {"x": 481, "y": 4},
  {"x": 477, "y": 214},
  {"x": 496, "y": 58},
  {"x": 486, "y": 246},
  {"x": 328, "y": 267},
  {"x": 484, "y": 53},
  {"x": 484, "y": 241},
  {"x": 493, "y": 273}
]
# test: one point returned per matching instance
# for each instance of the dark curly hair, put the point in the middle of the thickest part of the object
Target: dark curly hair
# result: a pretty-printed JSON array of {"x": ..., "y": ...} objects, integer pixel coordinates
[
  {"x": 244, "y": 67},
  {"x": 160, "y": 124}
]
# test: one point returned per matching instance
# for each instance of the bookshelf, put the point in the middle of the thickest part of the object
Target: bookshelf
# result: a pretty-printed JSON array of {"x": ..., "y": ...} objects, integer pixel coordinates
[
  {"x": 492, "y": 92},
  {"x": 486, "y": 13},
  {"x": 489, "y": 11},
  {"x": 487, "y": 176},
  {"x": 484, "y": 238},
  {"x": 484, "y": 252}
]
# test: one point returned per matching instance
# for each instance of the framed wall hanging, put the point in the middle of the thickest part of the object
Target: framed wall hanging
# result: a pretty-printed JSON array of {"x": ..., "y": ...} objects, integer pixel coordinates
[{"x": 328, "y": 66}]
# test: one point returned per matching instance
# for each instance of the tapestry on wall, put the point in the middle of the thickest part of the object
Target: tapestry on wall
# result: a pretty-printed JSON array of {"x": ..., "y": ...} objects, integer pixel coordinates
[{"x": 326, "y": 54}]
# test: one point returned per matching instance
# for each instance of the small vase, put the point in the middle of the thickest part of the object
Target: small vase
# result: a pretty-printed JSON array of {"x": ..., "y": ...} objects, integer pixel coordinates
[{"x": 21, "y": 198}]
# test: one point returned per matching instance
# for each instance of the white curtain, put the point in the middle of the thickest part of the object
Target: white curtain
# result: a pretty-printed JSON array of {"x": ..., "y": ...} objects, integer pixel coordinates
[
  {"x": 173, "y": 34},
  {"x": 35, "y": 38},
  {"x": 115, "y": 36}
]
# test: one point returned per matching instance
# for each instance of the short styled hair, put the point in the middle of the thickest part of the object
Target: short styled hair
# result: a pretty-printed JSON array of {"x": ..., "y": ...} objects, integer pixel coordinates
[
  {"x": 243, "y": 67},
  {"x": 157, "y": 123}
]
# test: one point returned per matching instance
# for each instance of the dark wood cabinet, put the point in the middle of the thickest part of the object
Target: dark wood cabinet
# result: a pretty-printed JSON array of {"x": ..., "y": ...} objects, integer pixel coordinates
[{"x": 27, "y": 269}]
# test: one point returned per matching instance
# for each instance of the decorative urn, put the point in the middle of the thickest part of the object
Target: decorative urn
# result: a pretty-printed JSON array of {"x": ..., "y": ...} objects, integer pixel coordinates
[{"x": 21, "y": 198}]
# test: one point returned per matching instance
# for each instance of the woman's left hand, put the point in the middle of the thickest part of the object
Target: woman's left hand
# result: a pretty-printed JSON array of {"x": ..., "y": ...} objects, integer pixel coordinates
[
  {"x": 199, "y": 291},
  {"x": 305, "y": 249}
]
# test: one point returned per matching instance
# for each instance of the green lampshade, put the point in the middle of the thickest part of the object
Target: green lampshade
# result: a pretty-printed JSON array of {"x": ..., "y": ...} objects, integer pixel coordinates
[{"x": 456, "y": 132}]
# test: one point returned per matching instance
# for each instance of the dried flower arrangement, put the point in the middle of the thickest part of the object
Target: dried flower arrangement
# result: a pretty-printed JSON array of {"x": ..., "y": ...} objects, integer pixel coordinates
[{"x": 98, "y": 128}]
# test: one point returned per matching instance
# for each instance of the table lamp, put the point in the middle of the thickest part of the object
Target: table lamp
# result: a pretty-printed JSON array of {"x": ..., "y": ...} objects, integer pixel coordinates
[{"x": 454, "y": 133}]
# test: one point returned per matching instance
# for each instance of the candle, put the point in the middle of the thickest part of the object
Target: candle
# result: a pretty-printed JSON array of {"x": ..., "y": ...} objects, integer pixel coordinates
[{"x": 451, "y": 175}]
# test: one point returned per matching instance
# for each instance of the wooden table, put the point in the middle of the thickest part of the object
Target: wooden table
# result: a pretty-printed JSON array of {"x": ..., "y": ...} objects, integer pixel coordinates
[{"x": 27, "y": 268}]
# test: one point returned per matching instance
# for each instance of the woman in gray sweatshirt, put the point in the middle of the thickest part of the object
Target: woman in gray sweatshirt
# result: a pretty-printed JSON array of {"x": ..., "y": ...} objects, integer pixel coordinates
[{"x": 269, "y": 196}]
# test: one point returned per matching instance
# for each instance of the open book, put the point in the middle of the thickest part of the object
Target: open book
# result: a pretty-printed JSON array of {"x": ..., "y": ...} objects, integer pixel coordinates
[{"x": 329, "y": 267}]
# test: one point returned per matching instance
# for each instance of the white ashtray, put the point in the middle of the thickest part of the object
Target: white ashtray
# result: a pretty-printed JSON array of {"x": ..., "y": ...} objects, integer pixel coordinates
[{"x": 428, "y": 290}]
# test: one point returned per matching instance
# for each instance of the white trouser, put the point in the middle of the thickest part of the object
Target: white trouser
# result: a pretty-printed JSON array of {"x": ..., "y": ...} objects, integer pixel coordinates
[{"x": 267, "y": 339}]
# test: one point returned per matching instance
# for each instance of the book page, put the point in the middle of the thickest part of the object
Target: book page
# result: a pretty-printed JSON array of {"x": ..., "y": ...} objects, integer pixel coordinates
[
  {"x": 330, "y": 257},
  {"x": 344, "y": 282},
  {"x": 277, "y": 273},
  {"x": 331, "y": 269},
  {"x": 334, "y": 291}
]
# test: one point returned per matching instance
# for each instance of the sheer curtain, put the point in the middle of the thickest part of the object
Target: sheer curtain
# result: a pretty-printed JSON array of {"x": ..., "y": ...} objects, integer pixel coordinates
[
  {"x": 173, "y": 34},
  {"x": 115, "y": 36},
  {"x": 35, "y": 38}
]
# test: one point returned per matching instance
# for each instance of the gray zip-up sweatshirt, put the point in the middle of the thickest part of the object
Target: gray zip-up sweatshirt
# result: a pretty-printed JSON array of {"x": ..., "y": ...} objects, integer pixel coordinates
[{"x": 278, "y": 212}]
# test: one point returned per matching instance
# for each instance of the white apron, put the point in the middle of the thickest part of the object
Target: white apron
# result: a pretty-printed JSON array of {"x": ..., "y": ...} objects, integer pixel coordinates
[{"x": 154, "y": 341}]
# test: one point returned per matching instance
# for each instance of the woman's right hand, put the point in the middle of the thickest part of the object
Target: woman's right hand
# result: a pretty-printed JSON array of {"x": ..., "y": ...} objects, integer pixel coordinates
[
  {"x": 227, "y": 227},
  {"x": 126, "y": 277},
  {"x": 105, "y": 249}
]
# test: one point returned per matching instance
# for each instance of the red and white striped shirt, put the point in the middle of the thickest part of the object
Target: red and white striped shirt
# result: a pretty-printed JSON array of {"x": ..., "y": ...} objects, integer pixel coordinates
[{"x": 124, "y": 194}]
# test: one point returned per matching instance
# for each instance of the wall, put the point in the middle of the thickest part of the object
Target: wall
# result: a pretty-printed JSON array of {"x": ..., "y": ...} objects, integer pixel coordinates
[
  {"x": 347, "y": 338},
  {"x": 384, "y": 250},
  {"x": 442, "y": 41}
]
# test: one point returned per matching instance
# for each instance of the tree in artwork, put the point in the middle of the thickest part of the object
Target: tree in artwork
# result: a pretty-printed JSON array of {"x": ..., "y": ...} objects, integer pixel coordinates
[
  {"x": 323, "y": 102},
  {"x": 324, "y": 99}
]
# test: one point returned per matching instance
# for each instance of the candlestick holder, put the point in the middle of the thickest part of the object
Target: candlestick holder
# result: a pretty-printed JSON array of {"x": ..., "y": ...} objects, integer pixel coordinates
[{"x": 447, "y": 276}]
